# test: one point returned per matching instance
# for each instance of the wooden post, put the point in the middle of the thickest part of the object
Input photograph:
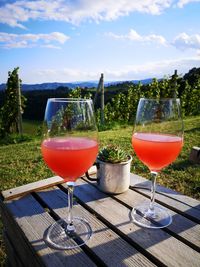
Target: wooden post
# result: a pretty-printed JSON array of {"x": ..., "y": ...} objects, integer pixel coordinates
[
  {"x": 100, "y": 88},
  {"x": 19, "y": 107},
  {"x": 102, "y": 99},
  {"x": 97, "y": 91},
  {"x": 174, "y": 79}
]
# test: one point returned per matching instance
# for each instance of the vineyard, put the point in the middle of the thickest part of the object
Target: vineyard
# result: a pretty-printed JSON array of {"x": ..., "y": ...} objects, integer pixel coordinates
[
  {"x": 120, "y": 99},
  {"x": 20, "y": 155}
]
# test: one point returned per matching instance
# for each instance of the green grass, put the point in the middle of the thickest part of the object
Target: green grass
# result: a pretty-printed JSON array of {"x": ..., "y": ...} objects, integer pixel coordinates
[
  {"x": 182, "y": 175},
  {"x": 31, "y": 127},
  {"x": 22, "y": 163}
]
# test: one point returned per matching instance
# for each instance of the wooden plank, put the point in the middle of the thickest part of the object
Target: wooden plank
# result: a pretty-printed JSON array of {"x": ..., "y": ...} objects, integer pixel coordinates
[
  {"x": 105, "y": 243},
  {"x": 31, "y": 187},
  {"x": 26, "y": 221},
  {"x": 188, "y": 230},
  {"x": 178, "y": 202},
  {"x": 183, "y": 227},
  {"x": 174, "y": 200},
  {"x": 179, "y": 207},
  {"x": 26, "y": 189},
  {"x": 140, "y": 182},
  {"x": 157, "y": 242},
  {"x": 23, "y": 247},
  {"x": 13, "y": 259}
]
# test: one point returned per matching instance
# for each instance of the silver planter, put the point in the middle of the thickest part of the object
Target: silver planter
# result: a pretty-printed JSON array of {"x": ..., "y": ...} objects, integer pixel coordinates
[{"x": 113, "y": 178}]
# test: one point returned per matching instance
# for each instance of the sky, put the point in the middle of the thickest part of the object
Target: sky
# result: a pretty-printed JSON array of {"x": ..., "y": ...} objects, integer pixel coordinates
[{"x": 77, "y": 40}]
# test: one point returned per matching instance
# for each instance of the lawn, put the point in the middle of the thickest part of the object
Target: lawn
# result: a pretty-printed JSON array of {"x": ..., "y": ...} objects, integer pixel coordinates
[{"x": 22, "y": 163}]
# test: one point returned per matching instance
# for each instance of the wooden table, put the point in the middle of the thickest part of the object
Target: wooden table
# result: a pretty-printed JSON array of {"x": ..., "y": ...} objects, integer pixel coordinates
[{"x": 27, "y": 212}]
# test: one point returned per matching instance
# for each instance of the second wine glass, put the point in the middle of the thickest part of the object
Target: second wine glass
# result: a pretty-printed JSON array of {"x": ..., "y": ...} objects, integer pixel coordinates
[{"x": 157, "y": 141}]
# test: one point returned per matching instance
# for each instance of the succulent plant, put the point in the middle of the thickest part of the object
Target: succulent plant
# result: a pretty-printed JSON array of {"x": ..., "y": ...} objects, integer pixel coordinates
[{"x": 113, "y": 154}]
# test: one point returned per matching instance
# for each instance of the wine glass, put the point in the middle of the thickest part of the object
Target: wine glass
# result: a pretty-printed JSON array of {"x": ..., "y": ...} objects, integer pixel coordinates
[
  {"x": 69, "y": 148},
  {"x": 157, "y": 141}
]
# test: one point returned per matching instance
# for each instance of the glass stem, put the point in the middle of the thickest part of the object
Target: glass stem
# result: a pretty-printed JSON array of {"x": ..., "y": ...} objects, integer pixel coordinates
[
  {"x": 153, "y": 191},
  {"x": 70, "y": 225}
]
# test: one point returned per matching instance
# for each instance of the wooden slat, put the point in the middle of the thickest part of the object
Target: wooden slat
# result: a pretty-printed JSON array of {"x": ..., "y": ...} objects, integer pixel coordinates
[
  {"x": 25, "y": 189},
  {"x": 35, "y": 186},
  {"x": 23, "y": 249},
  {"x": 140, "y": 182},
  {"x": 12, "y": 259},
  {"x": 30, "y": 222},
  {"x": 179, "y": 207},
  {"x": 105, "y": 243},
  {"x": 176, "y": 202},
  {"x": 28, "y": 227},
  {"x": 157, "y": 242},
  {"x": 181, "y": 226}
]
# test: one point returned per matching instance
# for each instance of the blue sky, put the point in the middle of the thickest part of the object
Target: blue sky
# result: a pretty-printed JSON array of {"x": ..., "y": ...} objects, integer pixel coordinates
[{"x": 77, "y": 40}]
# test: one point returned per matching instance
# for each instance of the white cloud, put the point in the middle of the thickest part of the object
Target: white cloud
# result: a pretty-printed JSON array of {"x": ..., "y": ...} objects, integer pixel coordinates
[
  {"x": 134, "y": 36},
  {"x": 184, "y": 41},
  {"x": 154, "y": 69},
  {"x": 17, "y": 13},
  {"x": 51, "y": 46},
  {"x": 63, "y": 75},
  {"x": 9, "y": 40},
  {"x": 132, "y": 72},
  {"x": 182, "y": 3}
]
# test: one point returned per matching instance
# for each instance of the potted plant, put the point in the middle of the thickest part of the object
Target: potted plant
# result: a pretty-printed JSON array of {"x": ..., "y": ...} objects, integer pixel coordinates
[{"x": 113, "y": 169}]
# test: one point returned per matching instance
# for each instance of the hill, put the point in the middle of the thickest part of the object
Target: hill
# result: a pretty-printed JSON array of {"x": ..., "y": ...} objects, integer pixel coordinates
[
  {"x": 55, "y": 85},
  {"x": 52, "y": 86}
]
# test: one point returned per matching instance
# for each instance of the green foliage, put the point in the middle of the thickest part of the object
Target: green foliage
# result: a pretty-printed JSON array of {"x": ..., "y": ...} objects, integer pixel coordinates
[
  {"x": 113, "y": 154},
  {"x": 9, "y": 111},
  {"x": 121, "y": 99},
  {"x": 78, "y": 93},
  {"x": 15, "y": 139},
  {"x": 122, "y": 107}
]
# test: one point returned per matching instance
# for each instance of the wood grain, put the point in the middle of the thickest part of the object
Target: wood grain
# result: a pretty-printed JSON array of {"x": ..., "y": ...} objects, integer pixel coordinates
[
  {"x": 139, "y": 182},
  {"x": 181, "y": 226},
  {"x": 35, "y": 186},
  {"x": 157, "y": 242},
  {"x": 29, "y": 225},
  {"x": 116, "y": 239},
  {"x": 105, "y": 243},
  {"x": 26, "y": 189}
]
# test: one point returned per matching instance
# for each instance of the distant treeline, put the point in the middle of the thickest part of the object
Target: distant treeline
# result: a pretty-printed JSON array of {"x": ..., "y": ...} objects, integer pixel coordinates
[
  {"x": 36, "y": 99},
  {"x": 121, "y": 99}
]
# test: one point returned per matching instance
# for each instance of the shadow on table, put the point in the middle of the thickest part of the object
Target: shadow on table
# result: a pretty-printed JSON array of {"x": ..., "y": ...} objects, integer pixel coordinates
[{"x": 140, "y": 238}]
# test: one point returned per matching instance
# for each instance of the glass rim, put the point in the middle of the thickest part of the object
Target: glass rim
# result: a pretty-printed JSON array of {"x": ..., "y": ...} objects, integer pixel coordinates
[
  {"x": 160, "y": 99},
  {"x": 55, "y": 99}
]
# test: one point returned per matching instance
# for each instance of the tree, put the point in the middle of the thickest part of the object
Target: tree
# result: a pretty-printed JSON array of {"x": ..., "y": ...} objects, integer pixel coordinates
[{"x": 10, "y": 114}]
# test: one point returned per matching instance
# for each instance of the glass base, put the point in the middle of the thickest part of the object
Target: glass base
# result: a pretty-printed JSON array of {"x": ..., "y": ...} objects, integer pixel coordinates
[
  {"x": 61, "y": 235},
  {"x": 144, "y": 217}
]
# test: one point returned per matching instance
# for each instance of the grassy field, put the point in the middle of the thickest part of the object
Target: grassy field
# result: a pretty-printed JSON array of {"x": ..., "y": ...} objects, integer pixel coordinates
[{"x": 22, "y": 163}]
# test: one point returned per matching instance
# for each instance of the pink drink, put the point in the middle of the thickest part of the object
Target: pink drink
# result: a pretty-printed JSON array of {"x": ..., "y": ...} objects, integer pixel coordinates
[
  {"x": 69, "y": 157},
  {"x": 156, "y": 150}
]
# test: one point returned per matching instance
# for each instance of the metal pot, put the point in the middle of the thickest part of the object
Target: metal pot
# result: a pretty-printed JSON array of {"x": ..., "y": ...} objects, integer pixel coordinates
[{"x": 113, "y": 178}]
